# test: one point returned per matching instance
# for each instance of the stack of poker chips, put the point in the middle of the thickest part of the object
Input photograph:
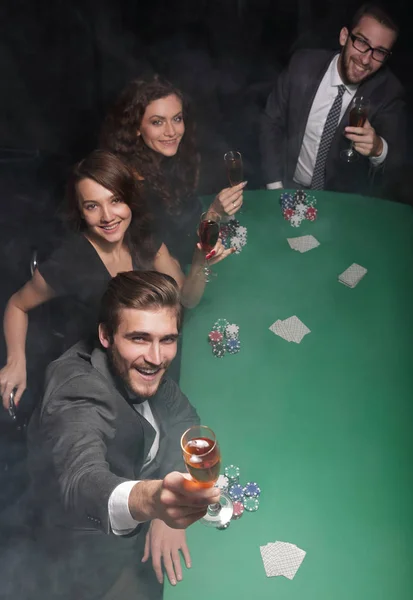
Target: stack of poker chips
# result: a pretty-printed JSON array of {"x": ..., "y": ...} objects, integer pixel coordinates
[
  {"x": 244, "y": 497},
  {"x": 233, "y": 235},
  {"x": 224, "y": 337},
  {"x": 297, "y": 207}
]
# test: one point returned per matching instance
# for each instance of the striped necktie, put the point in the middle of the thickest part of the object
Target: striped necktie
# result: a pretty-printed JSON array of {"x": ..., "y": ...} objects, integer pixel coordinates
[{"x": 330, "y": 126}]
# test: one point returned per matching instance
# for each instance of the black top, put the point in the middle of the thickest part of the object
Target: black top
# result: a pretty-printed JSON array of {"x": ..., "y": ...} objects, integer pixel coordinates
[
  {"x": 178, "y": 231},
  {"x": 76, "y": 270}
]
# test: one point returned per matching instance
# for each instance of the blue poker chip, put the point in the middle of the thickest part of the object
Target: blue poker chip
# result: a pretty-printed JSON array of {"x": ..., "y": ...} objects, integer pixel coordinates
[
  {"x": 252, "y": 490},
  {"x": 236, "y": 491},
  {"x": 233, "y": 346}
]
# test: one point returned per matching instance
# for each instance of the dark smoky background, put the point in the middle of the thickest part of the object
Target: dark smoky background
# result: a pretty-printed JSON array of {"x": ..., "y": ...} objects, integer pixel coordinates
[{"x": 63, "y": 62}]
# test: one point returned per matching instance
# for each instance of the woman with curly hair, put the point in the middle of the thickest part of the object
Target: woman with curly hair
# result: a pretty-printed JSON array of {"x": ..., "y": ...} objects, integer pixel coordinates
[
  {"x": 150, "y": 127},
  {"x": 110, "y": 232}
]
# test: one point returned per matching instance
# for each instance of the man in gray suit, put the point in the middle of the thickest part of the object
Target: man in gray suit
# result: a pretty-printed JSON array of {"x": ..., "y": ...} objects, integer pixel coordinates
[
  {"x": 104, "y": 452},
  {"x": 305, "y": 126}
]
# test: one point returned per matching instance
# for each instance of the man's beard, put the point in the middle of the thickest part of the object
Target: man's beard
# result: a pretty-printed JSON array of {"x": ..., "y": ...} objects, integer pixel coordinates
[{"x": 143, "y": 390}]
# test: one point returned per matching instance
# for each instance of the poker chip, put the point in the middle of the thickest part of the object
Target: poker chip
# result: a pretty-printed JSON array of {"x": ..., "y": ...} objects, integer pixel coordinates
[
  {"x": 233, "y": 346},
  {"x": 220, "y": 325},
  {"x": 296, "y": 220},
  {"x": 300, "y": 196},
  {"x": 252, "y": 490},
  {"x": 236, "y": 491},
  {"x": 288, "y": 213},
  {"x": 223, "y": 338},
  {"x": 311, "y": 201},
  {"x": 222, "y": 483},
  {"x": 224, "y": 526},
  {"x": 236, "y": 243},
  {"x": 232, "y": 472},
  {"x": 218, "y": 350},
  {"x": 301, "y": 209},
  {"x": 232, "y": 331},
  {"x": 311, "y": 213},
  {"x": 238, "y": 510},
  {"x": 215, "y": 336},
  {"x": 251, "y": 504}
]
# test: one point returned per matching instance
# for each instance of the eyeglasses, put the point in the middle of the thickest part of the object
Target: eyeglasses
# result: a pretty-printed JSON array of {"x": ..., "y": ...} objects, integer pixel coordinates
[{"x": 363, "y": 47}]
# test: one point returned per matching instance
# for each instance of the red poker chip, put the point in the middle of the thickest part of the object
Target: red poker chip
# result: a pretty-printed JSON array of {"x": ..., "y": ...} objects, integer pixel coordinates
[
  {"x": 288, "y": 213},
  {"x": 238, "y": 510},
  {"x": 311, "y": 213},
  {"x": 215, "y": 336}
]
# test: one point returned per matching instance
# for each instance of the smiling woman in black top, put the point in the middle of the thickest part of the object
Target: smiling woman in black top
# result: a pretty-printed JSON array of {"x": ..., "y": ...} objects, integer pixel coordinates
[
  {"x": 111, "y": 233},
  {"x": 150, "y": 127}
]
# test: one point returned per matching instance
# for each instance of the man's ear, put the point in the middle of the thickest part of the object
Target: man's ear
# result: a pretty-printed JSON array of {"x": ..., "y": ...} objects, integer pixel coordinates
[
  {"x": 343, "y": 37},
  {"x": 104, "y": 338}
]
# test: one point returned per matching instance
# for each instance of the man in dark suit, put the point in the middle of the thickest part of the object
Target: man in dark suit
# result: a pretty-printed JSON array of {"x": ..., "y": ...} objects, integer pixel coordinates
[
  {"x": 104, "y": 451},
  {"x": 305, "y": 124}
]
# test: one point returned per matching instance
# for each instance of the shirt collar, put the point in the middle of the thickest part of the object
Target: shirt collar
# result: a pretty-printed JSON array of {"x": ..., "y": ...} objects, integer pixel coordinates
[{"x": 335, "y": 79}]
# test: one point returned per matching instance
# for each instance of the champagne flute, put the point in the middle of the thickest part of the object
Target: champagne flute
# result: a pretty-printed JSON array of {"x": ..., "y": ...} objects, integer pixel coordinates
[
  {"x": 233, "y": 164},
  {"x": 359, "y": 109},
  {"x": 202, "y": 458},
  {"x": 208, "y": 233}
]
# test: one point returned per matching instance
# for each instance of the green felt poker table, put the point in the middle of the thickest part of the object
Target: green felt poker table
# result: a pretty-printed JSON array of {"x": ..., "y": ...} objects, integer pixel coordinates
[{"x": 324, "y": 426}]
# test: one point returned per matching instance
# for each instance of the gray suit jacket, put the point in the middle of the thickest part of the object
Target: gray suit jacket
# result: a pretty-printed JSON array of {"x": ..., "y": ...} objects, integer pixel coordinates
[
  {"x": 84, "y": 439},
  {"x": 286, "y": 114}
]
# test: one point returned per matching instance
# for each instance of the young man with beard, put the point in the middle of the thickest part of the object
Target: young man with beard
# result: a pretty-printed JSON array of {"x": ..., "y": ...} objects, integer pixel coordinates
[
  {"x": 104, "y": 453},
  {"x": 305, "y": 124}
]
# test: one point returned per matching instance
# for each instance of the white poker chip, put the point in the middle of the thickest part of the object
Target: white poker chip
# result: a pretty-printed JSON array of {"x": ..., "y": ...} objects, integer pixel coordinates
[
  {"x": 296, "y": 220},
  {"x": 237, "y": 244},
  {"x": 301, "y": 209},
  {"x": 222, "y": 483},
  {"x": 232, "y": 330}
]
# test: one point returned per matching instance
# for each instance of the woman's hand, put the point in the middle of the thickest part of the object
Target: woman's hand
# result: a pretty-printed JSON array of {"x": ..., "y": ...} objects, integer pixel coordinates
[
  {"x": 12, "y": 376},
  {"x": 229, "y": 200},
  {"x": 217, "y": 254}
]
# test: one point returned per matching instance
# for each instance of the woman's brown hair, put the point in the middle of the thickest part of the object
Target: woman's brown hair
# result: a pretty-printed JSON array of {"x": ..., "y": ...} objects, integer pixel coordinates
[
  {"x": 112, "y": 174},
  {"x": 174, "y": 178}
]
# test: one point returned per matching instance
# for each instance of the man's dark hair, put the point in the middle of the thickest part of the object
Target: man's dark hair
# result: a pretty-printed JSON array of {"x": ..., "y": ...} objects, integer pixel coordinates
[
  {"x": 377, "y": 12},
  {"x": 141, "y": 290}
]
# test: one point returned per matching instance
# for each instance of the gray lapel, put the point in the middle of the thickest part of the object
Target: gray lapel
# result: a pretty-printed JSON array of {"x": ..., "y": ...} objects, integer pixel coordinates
[{"x": 100, "y": 362}]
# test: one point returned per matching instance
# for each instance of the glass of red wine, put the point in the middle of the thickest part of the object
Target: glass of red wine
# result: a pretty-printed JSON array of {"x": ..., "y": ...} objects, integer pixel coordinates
[
  {"x": 208, "y": 233},
  {"x": 359, "y": 109},
  {"x": 202, "y": 458}
]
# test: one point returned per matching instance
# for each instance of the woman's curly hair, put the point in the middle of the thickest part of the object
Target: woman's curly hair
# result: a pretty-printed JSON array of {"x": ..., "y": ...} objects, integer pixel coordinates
[
  {"x": 174, "y": 178},
  {"x": 110, "y": 172}
]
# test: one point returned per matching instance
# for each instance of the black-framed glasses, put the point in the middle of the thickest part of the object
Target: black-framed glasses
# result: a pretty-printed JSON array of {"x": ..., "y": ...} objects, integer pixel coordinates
[{"x": 362, "y": 46}]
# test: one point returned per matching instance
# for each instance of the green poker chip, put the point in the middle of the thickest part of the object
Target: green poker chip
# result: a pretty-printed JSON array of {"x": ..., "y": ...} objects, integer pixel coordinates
[
  {"x": 251, "y": 504},
  {"x": 232, "y": 472}
]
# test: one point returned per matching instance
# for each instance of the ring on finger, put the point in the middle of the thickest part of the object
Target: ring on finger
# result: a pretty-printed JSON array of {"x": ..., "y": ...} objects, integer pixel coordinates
[{"x": 234, "y": 204}]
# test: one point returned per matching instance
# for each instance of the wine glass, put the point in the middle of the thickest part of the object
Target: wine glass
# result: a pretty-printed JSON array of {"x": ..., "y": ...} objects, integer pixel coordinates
[
  {"x": 208, "y": 233},
  {"x": 203, "y": 462},
  {"x": 359, "y": 109},
  {"x": 234, "y": 167},
  {"x": 233, "y": 164}
]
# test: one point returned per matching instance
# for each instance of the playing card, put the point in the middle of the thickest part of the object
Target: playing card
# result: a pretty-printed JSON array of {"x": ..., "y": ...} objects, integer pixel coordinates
[
  {"x": 303, "y": 243},
  {"x": 291, "y": 329},
  {"x": 282, "y": 558},
  {"x": 296, "y": 328},
  {"x": 279, "y": 329},
  {"x": 352, "y": 275}
]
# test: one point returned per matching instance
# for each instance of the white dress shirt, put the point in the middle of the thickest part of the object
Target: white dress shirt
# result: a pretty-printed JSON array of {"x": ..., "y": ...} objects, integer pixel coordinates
[
  {"x": 323, "y": 101},
  {"x": 121, "y": 521}
]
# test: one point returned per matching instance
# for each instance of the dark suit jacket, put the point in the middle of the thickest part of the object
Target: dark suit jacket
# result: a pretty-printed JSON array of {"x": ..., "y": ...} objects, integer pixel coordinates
[
  {"x": 84, "y": 439},
  {"x": 285, "y": 118}
]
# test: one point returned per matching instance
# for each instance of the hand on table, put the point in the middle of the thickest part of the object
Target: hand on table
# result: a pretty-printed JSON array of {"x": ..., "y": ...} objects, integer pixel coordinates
[
  {"x": 218, "y": 253},
  {"x": 164, "y": 545},
  {"x": 12, "y": 376},
  {"x": 229, "y": 200},
  {"x": 365, "y": 139}
]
